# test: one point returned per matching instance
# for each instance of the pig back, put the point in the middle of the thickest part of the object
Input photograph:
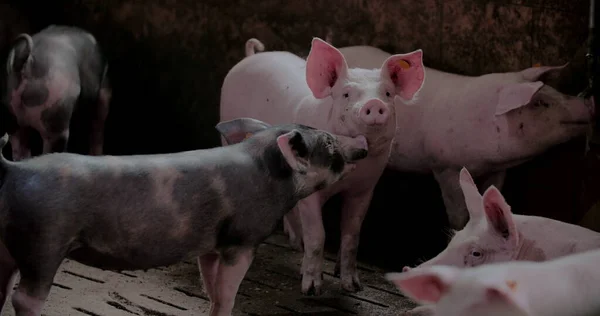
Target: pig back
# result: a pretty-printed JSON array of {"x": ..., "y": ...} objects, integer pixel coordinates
[{"x": 267, "y": 86}]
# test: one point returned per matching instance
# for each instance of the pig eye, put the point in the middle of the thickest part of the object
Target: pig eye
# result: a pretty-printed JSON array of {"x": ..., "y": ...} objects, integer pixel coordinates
[
  {"x": 476, "y": 254},
  {"x": 346, "y": 95},
  {"x": 387, "y": 94}
]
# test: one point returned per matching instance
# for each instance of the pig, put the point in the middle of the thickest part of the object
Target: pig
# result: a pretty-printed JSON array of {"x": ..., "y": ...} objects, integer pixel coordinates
[
  {"x": 487, "y": 123},
  {"x": 50, "y": 76},
  {"x": 494, "y": 234},
  {"x": 566, "y": 286},
  {"x": 145, "y": 211},
  {"x": 323, "y": 92}
]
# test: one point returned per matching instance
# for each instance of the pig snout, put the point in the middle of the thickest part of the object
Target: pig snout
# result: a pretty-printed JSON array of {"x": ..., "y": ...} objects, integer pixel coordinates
[
  {"x": 374, "y": 112},
  {"x": 355, "y": 148}
]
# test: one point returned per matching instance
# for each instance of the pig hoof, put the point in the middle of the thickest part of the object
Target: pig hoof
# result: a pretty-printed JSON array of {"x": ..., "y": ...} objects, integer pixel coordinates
[
  {"x": 311, "y": 286},
  {"x": 352, "y": 286}
]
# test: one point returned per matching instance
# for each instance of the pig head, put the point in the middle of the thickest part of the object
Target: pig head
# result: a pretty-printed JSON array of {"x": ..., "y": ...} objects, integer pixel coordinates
[
  {"x": 52, "y": 77},
  {"x": 485, "y": 123}
]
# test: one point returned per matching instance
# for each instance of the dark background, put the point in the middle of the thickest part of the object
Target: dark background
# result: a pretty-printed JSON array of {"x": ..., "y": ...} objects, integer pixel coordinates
[{"x": 168, "y": 60}]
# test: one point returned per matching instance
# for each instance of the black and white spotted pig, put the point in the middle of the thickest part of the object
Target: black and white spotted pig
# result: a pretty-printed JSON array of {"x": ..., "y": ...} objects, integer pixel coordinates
[
  {"x": 48, "y": 75},
  {"x": 145, "y": 211}
]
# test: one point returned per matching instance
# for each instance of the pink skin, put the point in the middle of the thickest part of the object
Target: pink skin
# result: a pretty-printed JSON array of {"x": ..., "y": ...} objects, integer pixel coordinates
[
  {"x": 494, "y": 234},
  {"x": 323, "y": 92},
  {"x": 486, "y": 123},
  {"x": 566, "y": 286},
  {"x": 222, "y": 281}
]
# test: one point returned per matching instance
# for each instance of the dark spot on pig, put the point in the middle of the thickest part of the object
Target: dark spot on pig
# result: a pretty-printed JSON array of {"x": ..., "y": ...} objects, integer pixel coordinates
[
  {"x": 320, "y": 186},
  {"x": 267, "y": 99},
  {"x": 337, "y": 163},
  {"x": 343, "y": 118},
  {"x": 35, "y": 93},
  {"x": 498, "y": 129},
  {"x": 521, "y": 126},
  {"x": 297, "y": 144},
  {"x": 56, "y": 119},
  {"x": 451, "y": 130},
  {"x": 228, "y": 235},
  {"x": 287, "y": 87},
  {"x": 273, "y": 162}
]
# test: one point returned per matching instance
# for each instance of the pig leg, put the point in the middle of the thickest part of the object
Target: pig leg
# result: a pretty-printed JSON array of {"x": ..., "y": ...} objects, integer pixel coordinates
[
  {"x": 34, "y": 286},
  {"x": 56, "y": 142},
  {"x": 228, "y": 280},
  {"x": 8, "y": 272},
  {"x": 209, "y": 266},
  {"x": 313, "y": 234},
  {"x": 454, "y": 201},
  {"x": 19, "y": 142},
  {"x": 354, "y": 209},
  {"x": 99, "y": 117},
  {"x": 293, "y": 228}
]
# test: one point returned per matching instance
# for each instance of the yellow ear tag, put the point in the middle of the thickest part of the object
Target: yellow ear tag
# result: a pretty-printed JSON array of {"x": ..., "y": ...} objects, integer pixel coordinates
[
  {"x": 512, "y": 285},
  {"x": 403, "y": 64},
  {"x": 537, "y": 65},
  {"x": 247, "y": 135}
]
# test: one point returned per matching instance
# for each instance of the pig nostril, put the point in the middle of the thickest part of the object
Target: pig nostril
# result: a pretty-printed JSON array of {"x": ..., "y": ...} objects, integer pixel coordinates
[
  {"x": 368, "y": 112},
  {"x": 380, "y": 111}
]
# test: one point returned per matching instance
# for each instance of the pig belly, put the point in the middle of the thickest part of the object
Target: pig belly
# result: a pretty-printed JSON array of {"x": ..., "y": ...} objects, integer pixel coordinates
[{"x": 266, "y": 86}]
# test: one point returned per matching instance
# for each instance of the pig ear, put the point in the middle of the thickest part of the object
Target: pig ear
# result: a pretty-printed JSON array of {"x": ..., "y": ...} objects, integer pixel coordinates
[
  {"x": 471, "y": 193},
  {"x": 506, "y": 298},
  {"x": 515, "y": 95},
  {"x": 499, "y": 215},
  {"x": 294, "y": 150},
  {"x": 534, "y": 73},
  {"x": 424, "y": 285},
  {"x": 237, "y": 130},
  {"x": 325, "y": 65},
  {"x": 407, "y": 73}
]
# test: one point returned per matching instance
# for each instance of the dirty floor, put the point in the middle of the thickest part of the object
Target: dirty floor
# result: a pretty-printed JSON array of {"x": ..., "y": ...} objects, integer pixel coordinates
[{"x": 271, "y": 287}]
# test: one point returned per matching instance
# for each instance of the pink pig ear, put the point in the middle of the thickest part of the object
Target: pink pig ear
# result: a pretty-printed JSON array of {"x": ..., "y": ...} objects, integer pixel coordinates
[
  {"x": 499, "y": 215},
  {"x": 294, "y": 150},
  {"x": 325, "y": 65},
  {"x": 506, "y": 299},
  {"x": 473, "y": 199},
  {"x": 424, "y": 285},
  {"x": 237, "y": 130},
  {"x": 406, "y": 72},
  {"x": 515, "y": 95}
]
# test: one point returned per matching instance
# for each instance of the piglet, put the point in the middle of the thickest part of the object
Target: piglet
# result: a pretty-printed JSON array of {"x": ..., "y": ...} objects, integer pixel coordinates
[
  {"x": 494, "y": 234},
  {"x": 323, "y": 92},
  {"x": 51, "y": 76},
  {"x": 566, "y": 286},
  {"x": 145, "y": 211}
]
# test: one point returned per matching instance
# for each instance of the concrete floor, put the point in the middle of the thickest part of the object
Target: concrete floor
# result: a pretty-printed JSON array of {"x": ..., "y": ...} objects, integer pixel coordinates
[{"x": 271, "y": 287}]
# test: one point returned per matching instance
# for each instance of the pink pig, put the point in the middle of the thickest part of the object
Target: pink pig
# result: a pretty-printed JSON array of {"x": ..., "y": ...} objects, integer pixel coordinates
[
  {"x": 485, "y": 123},
  {"x": 566, "y": 286},
  {"x": 323, "y": 92},
  {"x": 494, "y": 234}
]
